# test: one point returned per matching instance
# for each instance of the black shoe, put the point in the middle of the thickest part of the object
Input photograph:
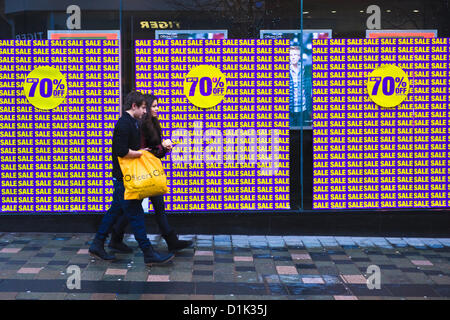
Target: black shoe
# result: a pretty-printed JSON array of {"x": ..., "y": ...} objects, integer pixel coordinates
[
  {"x": 119, "y": 247},
  {"x": 174, "y": 244},
  {"x": 116, "y": 244},
  {"x": 97, "y": 250},
  {"x": 151, "y": 257}
]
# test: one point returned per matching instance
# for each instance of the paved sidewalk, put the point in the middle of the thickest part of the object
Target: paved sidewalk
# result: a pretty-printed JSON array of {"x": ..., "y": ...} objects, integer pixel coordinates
[{"x": 224, "y": 267}]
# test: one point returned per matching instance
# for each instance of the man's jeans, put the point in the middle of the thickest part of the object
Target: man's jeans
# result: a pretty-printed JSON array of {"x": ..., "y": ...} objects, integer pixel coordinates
[
  {"x": 131, "y": 210},
  {"x": 161, "y": 219}
]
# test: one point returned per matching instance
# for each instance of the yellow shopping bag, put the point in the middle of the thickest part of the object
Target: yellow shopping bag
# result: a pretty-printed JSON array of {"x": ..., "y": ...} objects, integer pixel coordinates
[{"x": 143, "y": 177}]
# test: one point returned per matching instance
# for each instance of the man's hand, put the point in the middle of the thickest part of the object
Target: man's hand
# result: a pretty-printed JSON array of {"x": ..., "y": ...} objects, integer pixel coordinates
[{"x": 133, "y": 154}]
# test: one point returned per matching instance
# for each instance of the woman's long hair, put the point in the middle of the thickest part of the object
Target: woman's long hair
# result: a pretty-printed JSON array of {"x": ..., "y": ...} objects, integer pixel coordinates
[{"x": 150, "y": 126}]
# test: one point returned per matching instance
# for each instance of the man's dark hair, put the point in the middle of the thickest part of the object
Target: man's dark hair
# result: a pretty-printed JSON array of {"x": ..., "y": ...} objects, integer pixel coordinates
[{"x": 133, "y": 97}]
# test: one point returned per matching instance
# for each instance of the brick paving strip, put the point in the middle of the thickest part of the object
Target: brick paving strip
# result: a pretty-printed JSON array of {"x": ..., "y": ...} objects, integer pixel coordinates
[{"x": 34, "y": 266}]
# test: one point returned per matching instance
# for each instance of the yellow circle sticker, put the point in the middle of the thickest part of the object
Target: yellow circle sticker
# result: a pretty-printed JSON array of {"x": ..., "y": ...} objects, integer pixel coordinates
[
  {"x": 205, "y": 86},
  {"x": 45, "y": 87},
  {"x": 388, "y": 86}
]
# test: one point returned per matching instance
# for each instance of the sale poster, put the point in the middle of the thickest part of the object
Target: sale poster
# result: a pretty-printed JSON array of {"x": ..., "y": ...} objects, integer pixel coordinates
[
  {"x": 83, "y": 34},
  {"x": 59, "y": 102},
  {"x": 381, "y": 123}
]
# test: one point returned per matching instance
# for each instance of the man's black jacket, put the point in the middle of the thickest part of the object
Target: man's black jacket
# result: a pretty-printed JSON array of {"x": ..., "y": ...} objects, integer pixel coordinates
[{"x": 126, "y": 136}]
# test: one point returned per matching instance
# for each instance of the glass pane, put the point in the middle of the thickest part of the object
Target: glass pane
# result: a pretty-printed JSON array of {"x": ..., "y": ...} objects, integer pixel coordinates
[
  {"x": 67, "y": 56},
  {"x": 139, "y": 19},
  {"x": 214, "y": 20},
  {"x": 363, "y": 148}
]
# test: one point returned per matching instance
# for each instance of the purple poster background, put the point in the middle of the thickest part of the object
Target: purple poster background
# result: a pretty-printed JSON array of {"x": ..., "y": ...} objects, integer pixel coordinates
[
  {"x": 257, "y": 99},
  {"x": 366, "y": 156},
  {"x": 58, "y": 160}
]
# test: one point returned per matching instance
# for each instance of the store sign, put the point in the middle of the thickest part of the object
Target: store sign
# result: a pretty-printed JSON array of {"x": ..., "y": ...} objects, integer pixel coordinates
[
  {"x": 191, "y": 34},
  {"x": 73, "y": 22},
  {"x": 227, "y": 104},
  {"x": 381, "y": 123},
  {"x": 160, "y": 24},
  {"x": 59, "y": 101},
  {"x": 30, "y": 36},
  {"x": 374, "y": 20},
  {"x": 83, "y": 34},
  {"x": 374, "y": 34}
]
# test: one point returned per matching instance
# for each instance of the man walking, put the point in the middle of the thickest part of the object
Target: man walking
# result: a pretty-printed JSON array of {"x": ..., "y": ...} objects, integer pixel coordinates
[{"x": 126, "y": 143}]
